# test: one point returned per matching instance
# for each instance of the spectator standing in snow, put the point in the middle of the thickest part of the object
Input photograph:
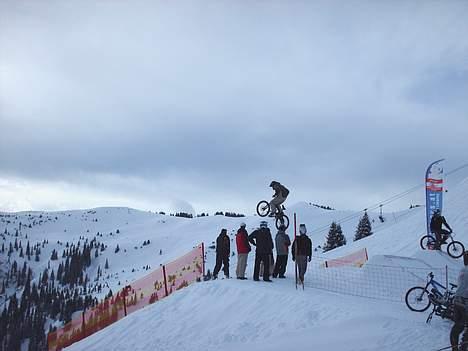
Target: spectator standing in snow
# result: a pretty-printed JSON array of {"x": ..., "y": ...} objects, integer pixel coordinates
[
  {"x": 282, "y": 242},
  {"x": 301, "y": 251},
  {"x": 460, "y": 304},
  {"x": 223, "y": 249},
  {"x": 243, "y": 249},
  {"x": 261, "y": 238}
]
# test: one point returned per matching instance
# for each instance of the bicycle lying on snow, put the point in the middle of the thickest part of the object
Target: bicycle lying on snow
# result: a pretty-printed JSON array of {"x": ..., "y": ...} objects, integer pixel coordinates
[
  {"x": 418, "y": 298},
  {"x": 264, "y": 209},
  {"x": 455, "y": 248}
]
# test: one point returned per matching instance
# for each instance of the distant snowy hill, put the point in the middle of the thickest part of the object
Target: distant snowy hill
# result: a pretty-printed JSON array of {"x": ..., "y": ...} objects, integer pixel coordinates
[{"x": 228, "y": 314}]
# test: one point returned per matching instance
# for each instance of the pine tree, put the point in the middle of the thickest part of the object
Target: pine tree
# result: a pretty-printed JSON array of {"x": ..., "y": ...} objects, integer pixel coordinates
[
  {"x": 54, "y": 255},
  {"x": 340, "y": 238},
  {"x": 107, "y": 264},
  {"x": 335, "y": 238},
  {"x": 364, "y": 228}
]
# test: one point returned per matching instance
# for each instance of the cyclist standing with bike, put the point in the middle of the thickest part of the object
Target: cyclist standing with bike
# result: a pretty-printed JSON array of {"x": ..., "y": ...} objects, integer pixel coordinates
[
  {"x": 280, "y": 195},
  {"x": 460, "y": 305},
  {"x": 437, "y": 221}
]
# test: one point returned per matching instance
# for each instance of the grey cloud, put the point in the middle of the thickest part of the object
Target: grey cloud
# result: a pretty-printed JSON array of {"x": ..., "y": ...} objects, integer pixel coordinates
[{"x": 209, "y": 103}]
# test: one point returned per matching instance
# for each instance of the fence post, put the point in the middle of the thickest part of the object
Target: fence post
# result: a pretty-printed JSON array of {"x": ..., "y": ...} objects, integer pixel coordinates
[
  {"x": 446, "y": 277},
  {"x": 165, "y": 280},
  {"x": 295, "y": 261},
  {"x": 83, "y": 326},
  {"x": 125, "y": 301},
  {"x": 203, "y": 256}
]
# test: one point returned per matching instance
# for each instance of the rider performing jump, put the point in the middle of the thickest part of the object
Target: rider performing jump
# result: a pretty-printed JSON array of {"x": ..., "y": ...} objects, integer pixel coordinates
[
  {"x": 280, "y": 195},
  {"x": 437, "y": 221}
]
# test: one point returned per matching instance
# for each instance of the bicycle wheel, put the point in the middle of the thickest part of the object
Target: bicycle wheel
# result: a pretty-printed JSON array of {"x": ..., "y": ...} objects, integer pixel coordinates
[
  {"x": 427, "y": 242},
  {"x": 455, "y": 249},
  {"x": 417, "y": 299},
  {"x": 282, "y": 220},
  {"x": 263, "y": 208}
]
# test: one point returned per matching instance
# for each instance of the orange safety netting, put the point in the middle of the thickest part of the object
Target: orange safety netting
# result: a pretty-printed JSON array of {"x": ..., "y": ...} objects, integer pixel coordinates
[{"x": 142, "y": 292}]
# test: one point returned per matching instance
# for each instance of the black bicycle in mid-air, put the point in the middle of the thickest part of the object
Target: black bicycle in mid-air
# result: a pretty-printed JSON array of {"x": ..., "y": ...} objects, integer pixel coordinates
[{"x": 264, "y": 209}]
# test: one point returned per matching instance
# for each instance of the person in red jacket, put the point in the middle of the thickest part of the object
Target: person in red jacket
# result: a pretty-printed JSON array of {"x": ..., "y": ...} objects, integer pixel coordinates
[{"x": 243, "y": 249}]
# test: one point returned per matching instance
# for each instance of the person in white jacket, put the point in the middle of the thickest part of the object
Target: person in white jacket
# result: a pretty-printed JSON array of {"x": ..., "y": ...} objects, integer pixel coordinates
[{"x": 460, "y": 305}]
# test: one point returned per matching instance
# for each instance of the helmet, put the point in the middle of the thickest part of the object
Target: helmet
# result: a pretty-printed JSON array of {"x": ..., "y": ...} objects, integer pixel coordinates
[
  {"x": 263, "y": 224},
  {"x": 243, "y": 225},
  {"x": 273, "y": 183},
  {"x": 437, "y": 211}
]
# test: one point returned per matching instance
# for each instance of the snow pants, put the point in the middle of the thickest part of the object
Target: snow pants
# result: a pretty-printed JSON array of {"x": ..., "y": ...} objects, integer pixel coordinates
[
  {"x": 224, "y": 261},
  {"x": 275, "y": 204},
  {"x": 440, "y": 236},
  {"x": 265, "y": 259},
  {"x": 280, "y": 267},
  {"x": 301, "y": 262},
  {"x": 459, "y": 323},
  {"x": 241, "y": 265},
  {"x": 272, "y": 266}
]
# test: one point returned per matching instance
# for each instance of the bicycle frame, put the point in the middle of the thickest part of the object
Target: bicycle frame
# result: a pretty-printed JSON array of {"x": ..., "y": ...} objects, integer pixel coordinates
[
  {"x": 449, "y": 236},
  {"x": 435, "y": 284},
  {"x": 441, "y": 302}
]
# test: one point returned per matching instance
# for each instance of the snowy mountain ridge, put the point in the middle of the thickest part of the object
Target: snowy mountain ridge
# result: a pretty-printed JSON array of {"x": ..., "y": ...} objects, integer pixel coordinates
[{"x": 229, "y": 314}]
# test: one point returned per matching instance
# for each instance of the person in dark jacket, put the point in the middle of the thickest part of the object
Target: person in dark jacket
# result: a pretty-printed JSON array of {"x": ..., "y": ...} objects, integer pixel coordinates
[
  {"x": 261, "y": 238},
  {"x": 243, "y": 249},
  {"x": 437, "y": 221},
  {"x": 301, "y": 251},
  {"x": 460, "y": 304},
  {"x": 280, "y": 195},
  {"x": 223, "y": 249},
  {"x": 282, "y": 242}
]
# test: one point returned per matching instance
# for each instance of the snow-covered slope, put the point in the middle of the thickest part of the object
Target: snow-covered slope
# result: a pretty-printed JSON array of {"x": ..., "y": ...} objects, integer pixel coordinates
[{"x": 229, "y": 314}]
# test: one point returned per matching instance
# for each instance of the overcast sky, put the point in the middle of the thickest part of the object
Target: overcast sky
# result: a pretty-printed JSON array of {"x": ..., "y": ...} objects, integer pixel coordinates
[{"x": 198, "y": 105}]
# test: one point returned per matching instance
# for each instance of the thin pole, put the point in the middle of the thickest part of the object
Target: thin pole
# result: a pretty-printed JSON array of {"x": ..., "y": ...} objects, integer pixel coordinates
[
  {"x": 446, "y": 277},
  {"x": 203, "y": 257},
  {"x": 295, "y": 247},
  {"x": 125, "y": 300},
  {"x": 83, "y": 325},
  {"x": 165, "y": 281}
]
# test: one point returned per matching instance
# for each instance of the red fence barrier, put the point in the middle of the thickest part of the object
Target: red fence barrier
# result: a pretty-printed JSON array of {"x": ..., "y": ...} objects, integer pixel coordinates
[
  {"x": 145, "y": 291},
  {"x": 357, "y": 259}
]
